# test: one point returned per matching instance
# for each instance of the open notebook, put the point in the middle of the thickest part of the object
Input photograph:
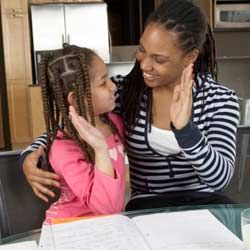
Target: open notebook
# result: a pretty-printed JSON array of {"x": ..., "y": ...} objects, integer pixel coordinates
[{"x": 189, "y": 230}]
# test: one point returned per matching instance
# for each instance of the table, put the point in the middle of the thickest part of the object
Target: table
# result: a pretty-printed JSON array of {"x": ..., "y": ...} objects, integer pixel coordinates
[{"x": 228, "y": 214}]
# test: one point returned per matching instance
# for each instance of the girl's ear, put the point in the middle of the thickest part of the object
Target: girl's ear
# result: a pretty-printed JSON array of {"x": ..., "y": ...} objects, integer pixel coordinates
[
  {"x": 192, "y": 56},
  {"x": 71, "y": 98}
]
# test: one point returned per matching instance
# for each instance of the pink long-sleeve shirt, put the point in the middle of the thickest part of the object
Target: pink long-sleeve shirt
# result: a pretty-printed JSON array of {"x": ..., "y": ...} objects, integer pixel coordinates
[{"x": 85, "y": 190}]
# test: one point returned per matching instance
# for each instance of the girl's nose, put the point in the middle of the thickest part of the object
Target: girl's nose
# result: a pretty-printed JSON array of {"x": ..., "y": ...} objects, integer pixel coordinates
[{"x": 112, "y": 85}]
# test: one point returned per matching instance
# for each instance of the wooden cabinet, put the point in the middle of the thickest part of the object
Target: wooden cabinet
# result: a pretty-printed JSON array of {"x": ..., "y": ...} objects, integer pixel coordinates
[
  {"x": 207, "y": 7},
  {"x": 11, "y": 6},
  {"x": 36, "y": 111},
  {"x": 17, "y": 56},
  {"x": 19, "y": 112},
  {"x": 1, "y": 127},
  {"x": 64, "y": 1}
]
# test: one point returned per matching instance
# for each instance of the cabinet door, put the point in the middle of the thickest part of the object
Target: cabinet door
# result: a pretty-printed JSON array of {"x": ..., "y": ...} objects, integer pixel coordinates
[
  {"x": 18, "y": 100},
  {"x": 17, "y": 46},
  {"x": 48, "y": 26},
  {"x": 8, "y": 6},
  {"x": 87, "y": 26},
  {"x": 1, "y": 127}
]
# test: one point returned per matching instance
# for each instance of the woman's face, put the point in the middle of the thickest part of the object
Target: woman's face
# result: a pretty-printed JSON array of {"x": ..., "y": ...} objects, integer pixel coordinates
[
  {"x": 102, "y": 88},
  {"x": 161, "y": 59}
]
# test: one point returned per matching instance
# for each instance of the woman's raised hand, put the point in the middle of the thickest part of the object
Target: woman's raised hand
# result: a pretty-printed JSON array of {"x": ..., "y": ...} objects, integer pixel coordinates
[
  {"x": 181, "y": 107},
  {"x": 87, "y": 132}
]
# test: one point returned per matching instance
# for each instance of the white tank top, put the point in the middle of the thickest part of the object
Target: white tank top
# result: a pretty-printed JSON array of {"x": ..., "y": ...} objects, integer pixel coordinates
[{"x": 163, "y": 141}]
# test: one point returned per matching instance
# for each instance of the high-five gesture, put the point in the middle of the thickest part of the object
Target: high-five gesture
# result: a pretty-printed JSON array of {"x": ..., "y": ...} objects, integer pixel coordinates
[
  {"x": 181, "y": 107},
  {"x": 87, "y": 132}
]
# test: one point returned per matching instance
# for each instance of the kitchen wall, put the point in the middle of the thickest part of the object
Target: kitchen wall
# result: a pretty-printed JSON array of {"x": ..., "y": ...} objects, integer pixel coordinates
[{"x": 233, "y": 53}]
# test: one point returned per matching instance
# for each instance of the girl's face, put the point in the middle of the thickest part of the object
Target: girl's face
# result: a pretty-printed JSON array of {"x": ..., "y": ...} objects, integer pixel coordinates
[
  {"x": 102, "y": 88},
  {"x": 161, "y": 59}
]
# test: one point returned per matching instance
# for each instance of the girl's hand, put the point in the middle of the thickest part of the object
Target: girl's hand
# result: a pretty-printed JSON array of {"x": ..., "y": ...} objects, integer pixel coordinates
[
  {"x": 95, "y": 139},
  {"x": 87, "y": 132},
  {"x": 181, "y": 107}
]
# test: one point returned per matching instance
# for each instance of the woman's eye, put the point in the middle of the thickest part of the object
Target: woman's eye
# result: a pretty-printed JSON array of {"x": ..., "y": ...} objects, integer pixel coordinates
[
  {"x": 160, "y": 60},
  {"x": 141, "y": 49}
]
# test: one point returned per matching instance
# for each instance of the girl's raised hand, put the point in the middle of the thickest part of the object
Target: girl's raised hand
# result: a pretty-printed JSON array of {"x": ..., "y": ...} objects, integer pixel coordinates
[
  {"x": 181, "y": 107},
  {"x": 87, "y": 132}
]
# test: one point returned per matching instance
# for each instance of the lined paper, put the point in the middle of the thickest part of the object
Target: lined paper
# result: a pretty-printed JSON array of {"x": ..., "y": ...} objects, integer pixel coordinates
[
  {"x": 188, "y": 230},
  {"x": 26, "y": 245},
  {"x": 115, "y": 232}
]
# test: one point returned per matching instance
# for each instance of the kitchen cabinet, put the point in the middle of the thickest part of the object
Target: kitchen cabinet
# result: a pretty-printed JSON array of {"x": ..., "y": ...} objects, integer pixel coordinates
[
  {"x": 85, "y": 25},
  {"x": 1, "y": 127},
  {"x": 64, "y": 1},
  {"x": 207, "y": 7},
  {"x": 17, "y": 57}
]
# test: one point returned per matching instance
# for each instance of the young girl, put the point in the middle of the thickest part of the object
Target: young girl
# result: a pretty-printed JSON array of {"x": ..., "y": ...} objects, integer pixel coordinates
[{"x": 85, "y": 150}]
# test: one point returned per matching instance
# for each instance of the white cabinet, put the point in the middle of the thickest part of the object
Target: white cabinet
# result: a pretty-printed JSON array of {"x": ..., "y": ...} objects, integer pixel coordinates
[
  {"x": 48, "y": 26},
  {"x": 85, "y": 25}
]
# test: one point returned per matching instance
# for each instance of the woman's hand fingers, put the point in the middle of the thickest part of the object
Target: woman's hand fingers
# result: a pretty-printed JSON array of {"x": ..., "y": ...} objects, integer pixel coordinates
[
  {"x": 44, "y": 178},
  {"x": 42, "y": 192}
]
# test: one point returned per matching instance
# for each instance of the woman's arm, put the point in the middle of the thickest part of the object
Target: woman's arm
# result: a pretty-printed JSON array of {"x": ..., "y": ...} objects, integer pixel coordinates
[
  {"x": 213, "y": 155},
  {"x": 39, "y": 179}
]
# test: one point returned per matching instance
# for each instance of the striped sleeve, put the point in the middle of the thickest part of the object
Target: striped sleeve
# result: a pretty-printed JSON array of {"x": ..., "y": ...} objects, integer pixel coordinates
[
  {"x": 212, "y": 154},
  {"x": 40, "y": 141}
]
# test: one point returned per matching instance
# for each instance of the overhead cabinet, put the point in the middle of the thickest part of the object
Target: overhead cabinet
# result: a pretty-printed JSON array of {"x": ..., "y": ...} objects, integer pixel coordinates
[{"x": 84, "y": 24}]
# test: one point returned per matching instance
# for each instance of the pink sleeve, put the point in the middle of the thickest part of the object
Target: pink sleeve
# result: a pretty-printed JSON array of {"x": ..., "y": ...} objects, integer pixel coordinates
[{"x": 102, "y": 194}]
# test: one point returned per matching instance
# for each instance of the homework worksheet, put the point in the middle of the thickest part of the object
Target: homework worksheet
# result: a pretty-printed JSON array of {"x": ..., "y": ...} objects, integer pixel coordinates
[
  {"x": 26, "y": 245},
  {"x": 188, "y": 230}
]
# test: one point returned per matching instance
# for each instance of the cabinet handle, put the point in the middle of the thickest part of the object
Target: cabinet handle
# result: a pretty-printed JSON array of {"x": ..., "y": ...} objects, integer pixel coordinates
[
  {"x": 16, "y": 15},
  {"x": 63, "y": 39},
  {"x": 16, "y": 11}
]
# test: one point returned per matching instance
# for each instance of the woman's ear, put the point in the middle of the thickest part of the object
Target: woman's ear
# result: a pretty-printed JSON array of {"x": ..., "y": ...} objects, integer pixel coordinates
[
  {"x": 191, "y": 56},
  {"x": 71, "y": 98}
]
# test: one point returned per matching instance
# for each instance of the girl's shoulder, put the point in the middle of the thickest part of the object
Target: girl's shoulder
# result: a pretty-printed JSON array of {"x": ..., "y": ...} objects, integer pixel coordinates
[
  {"x": 64, "y": 146},
  {"x": 117, "y": 120}
]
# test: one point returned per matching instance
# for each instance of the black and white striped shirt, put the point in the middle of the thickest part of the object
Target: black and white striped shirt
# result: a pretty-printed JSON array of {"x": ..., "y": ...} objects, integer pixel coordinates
[
  {"x": 208, "y": 145},
  {"x": 208, "y": 142}
]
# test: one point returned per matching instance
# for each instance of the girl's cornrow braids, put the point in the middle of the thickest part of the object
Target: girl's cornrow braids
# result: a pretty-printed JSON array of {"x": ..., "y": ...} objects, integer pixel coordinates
[{"x": 88, "y": 90}]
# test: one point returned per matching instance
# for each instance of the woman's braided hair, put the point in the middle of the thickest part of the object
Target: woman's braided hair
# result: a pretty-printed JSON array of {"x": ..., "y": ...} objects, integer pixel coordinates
[
  {"x": 189, "y": 23},
  {"x": 61, "y": 72}
]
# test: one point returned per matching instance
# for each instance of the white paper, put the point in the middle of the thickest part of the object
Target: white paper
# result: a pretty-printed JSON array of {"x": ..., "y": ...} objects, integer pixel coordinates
[
  {"x": 46, "y": 239},
  {"x": 26, "y": 245},
  {"x": 189, "y": 230},
  {"x": 114, "y": 232}
]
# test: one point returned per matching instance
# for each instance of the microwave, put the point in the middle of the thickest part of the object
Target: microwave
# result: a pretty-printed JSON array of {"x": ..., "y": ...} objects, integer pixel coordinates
[{"x": 232, "y": 14}]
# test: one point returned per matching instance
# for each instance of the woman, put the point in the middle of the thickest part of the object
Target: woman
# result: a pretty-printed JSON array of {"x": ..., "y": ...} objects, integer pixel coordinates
[{"x": 180, "y": 127}]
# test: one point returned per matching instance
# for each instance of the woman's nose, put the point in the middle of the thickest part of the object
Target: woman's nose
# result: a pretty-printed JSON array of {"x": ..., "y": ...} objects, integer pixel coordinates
[{"x": 146, "y": 64}]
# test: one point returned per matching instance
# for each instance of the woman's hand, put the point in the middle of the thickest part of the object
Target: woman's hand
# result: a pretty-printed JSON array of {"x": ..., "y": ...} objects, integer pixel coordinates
[
  {"x": 181, "y": 107},
  {"x": 39, "y": 179},
  {"x": 87, "y": 132}
]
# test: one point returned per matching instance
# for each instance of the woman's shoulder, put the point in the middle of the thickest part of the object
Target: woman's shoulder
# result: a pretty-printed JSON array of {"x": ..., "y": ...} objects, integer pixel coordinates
[{"x": 205, "y": 83}]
